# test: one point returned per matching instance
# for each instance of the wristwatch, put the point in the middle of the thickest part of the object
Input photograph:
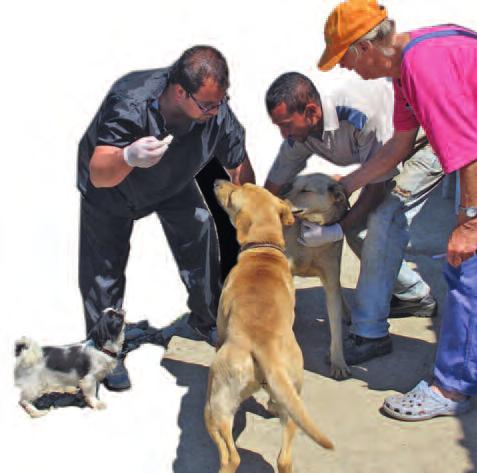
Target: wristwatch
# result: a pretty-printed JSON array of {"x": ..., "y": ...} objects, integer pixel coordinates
[{"x": 469, "y": 212}]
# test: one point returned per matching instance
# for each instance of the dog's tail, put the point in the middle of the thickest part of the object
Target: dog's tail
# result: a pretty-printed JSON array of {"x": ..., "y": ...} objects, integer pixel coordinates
[
  {"x": 286, "y": 394},
  {"x": 27, "y": 352}
]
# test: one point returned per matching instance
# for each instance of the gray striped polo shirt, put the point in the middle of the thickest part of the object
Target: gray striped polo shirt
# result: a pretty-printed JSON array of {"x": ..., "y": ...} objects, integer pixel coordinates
[{"x": 357, "y": 122}]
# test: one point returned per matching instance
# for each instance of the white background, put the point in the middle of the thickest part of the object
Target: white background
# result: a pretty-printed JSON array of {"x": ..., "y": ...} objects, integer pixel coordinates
[{"x": 58, "y": 61}]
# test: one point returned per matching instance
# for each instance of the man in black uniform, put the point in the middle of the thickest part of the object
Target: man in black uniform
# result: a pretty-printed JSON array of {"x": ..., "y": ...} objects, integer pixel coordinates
[{"x": 154, "y": 132}]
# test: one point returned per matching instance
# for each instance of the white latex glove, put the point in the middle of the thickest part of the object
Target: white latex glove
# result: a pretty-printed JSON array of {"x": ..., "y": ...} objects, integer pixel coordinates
[
  {"x": 146, "y": 151},
  {"x": 312, "y": 234}
]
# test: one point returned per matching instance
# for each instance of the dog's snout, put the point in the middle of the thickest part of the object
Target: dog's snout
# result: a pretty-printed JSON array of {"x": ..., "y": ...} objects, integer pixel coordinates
[
  {"x": 115, "y": 312},
  {"x": 218, "y": 183}
]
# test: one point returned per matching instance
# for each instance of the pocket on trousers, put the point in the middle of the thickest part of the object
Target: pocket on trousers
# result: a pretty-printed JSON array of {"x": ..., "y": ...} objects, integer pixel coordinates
[{"x": 463, "y": 278}]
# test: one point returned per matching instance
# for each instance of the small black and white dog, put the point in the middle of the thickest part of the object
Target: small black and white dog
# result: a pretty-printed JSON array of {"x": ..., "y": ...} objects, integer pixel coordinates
[{"x": 40, "y": 370}]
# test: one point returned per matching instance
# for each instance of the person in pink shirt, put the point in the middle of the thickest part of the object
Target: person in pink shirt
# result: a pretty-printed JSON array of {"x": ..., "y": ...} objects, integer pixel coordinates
[{"x": 435, "y": 83}]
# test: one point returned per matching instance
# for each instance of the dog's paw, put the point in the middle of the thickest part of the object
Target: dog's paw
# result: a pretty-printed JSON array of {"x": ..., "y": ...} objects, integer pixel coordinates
[
  {"x": 32, "y": 411},
  {"x": 340, "y": 371},
  {"x": 94, "y": 403},
  {"x": 37, "y": 413},
  {"x": 99, "y": 405}
]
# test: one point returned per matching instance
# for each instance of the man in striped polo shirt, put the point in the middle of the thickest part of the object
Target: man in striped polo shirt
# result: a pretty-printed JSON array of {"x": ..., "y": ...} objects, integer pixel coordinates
[{"x": 347, "y": 127}]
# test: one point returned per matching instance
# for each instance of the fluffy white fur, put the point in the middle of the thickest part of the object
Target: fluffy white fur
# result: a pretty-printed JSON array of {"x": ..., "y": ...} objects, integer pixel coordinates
[{"x": 81, "y": 365}]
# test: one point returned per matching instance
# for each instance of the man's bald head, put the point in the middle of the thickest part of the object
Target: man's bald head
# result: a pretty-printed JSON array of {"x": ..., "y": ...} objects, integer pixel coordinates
[{"x": 197, "y": 64}]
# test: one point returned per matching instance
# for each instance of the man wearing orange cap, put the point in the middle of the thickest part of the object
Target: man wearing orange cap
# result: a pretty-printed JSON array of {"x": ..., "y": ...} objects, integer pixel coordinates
[{"x": 425, "y": 65}]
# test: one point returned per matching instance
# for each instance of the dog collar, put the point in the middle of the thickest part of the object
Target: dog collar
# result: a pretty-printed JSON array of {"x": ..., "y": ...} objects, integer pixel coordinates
[
  {"x": 110, "y": 353},
  {"x": 251, "y": 245}
]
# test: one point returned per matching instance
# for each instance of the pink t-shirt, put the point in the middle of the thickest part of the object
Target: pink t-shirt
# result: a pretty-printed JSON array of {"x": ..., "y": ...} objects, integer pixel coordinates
[{"x": 438, "y": 90}]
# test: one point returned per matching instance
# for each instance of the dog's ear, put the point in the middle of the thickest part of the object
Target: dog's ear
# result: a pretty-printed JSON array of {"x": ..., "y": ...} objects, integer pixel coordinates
[
  {"x": 223, "y": 193},
  {"x": 107, "y": 328},
  {"x": 286, "y": 214},
  {"x": 339, "y": 193},
  {"x": 227, "y": 202},
  {"x": 21, "y": 345},
  {"x": 242, "y": 224}
]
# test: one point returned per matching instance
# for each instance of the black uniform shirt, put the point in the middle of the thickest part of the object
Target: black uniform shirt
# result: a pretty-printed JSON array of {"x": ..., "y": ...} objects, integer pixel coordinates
[{"x": 131, "y": 111}]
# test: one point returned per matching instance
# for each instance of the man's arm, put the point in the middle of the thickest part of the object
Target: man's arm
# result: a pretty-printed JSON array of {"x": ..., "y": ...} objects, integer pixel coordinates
[
  {"x": 463, "y": 240},
  {"x": 242, "y": 173},
  {"x": 107, "y": 167},
  {"x": 290, "y": 161},
  {"x": 383, "y": 161},
  {"x": 371, "y": 196},
  {"x": 272, "y": 187},
  {"x": 110, "y": 165}
]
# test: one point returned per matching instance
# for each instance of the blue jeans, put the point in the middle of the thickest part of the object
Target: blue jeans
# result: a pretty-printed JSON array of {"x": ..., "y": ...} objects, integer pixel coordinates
[
  {"x": 455, "y": 368},
  {"x": 380, "y": 244}
]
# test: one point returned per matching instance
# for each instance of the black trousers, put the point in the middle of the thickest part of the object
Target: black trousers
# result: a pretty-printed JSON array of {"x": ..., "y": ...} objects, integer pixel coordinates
[
  {"x": 229, "y": 247},
  {"x": 190, "y": 232}
]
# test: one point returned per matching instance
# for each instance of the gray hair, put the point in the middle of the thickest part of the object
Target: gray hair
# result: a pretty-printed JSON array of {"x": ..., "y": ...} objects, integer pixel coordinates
[{"x": 380, "y": 35}]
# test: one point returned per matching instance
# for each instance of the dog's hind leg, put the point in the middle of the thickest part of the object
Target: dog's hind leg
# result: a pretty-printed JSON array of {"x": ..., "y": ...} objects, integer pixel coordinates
[
  {"x": 231, "y": 378},
  {"x": 32, "y": 411},
  {"x": 295, "y": 373},
  {"x": 220, "y": 430},
  {"x": 284, "y": 461},
  {"x": 28, "y": 394}
]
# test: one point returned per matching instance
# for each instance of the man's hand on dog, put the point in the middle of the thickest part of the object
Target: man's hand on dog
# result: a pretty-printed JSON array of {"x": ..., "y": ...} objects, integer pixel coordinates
[{"x": 312, "y": 234}]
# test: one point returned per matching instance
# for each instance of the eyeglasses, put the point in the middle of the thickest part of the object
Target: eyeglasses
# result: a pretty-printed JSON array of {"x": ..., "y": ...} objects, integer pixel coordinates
[{"x": 208, "y": 108}]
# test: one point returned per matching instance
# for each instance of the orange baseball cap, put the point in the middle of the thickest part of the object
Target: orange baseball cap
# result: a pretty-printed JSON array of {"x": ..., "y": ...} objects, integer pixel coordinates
[{"x": 348, "y": 22}]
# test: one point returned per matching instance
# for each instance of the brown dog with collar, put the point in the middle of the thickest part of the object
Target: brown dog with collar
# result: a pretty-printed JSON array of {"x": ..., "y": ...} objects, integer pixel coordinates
[
  {"x": 257, "y": 347},
  {"x": 320, "y": 199}
]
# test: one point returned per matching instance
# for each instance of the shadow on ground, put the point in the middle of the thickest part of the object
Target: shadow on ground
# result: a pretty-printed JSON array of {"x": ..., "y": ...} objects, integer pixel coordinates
[
  {"x": 196, "y": 453},
  {"x": 411, "y": 360},
  {"x": 382, "y": 374}
]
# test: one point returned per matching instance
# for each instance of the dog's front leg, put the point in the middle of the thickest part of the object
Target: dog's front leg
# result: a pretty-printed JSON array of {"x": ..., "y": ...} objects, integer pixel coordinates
[
  {"x": 88, "y": 386},
  {"x": 334, "y": 304}
]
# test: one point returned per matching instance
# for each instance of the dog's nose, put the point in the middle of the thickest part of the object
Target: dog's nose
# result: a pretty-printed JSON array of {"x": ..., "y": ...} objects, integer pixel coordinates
[{"x": 218, "y": 183}]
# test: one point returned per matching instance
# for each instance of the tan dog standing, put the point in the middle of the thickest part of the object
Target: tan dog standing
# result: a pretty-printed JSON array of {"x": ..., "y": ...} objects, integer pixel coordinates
[
  {"x": 320, "y": 199},
  {"x": 257, "y": 347}
]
